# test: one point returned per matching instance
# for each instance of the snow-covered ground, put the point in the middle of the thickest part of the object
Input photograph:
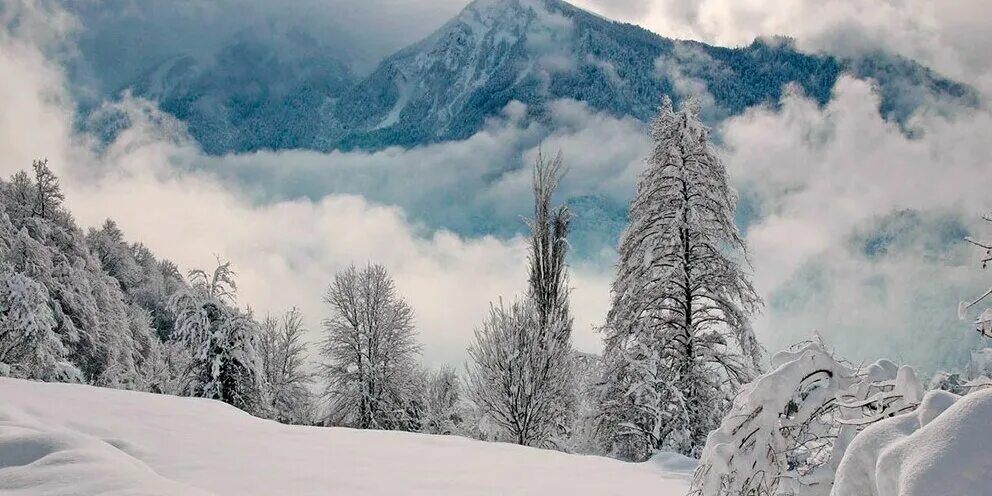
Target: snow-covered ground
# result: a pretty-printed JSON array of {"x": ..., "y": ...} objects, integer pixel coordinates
[
  {"x": 61, "y": 439},
  {"x": 942, "y": 448}
]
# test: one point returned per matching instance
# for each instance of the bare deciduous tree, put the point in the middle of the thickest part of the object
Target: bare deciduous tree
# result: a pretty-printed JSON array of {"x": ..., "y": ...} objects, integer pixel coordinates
[
  {"x": 369, "y": 351},
  {"x": 517, "y": 375},
  {"x": 523, "y": 367},
  {"x": 983, "y": 323},
  {"x": 283, "y": 349}
]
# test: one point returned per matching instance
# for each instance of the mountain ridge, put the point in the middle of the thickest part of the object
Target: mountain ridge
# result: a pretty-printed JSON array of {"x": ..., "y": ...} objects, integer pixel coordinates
[{"x": 445, "y": 86}]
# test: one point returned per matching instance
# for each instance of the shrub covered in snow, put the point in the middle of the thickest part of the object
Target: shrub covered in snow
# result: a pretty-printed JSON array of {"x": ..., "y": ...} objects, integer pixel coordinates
[{"x": 787, "y": 430}]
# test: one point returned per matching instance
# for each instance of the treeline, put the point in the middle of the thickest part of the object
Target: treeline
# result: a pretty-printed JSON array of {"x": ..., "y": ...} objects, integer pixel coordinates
[{"x": 96, "y": 309}]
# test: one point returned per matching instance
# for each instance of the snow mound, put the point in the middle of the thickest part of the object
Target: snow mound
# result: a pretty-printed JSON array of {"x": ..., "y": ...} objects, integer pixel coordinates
[
  {"x": 34, "y": 460},
  {"x": 65, "y": 439},
  {"x": 943, "y": 447},
  {"x": 675, "y": 463}
]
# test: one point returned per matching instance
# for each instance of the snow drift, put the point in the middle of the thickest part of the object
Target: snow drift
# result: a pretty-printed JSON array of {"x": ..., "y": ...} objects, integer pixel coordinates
[
  {"x": 63, "y": 439},
  {"x": 944, "y": 447}
]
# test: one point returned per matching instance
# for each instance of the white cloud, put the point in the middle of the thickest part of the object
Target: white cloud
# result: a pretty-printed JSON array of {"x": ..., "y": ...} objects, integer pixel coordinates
[
  {"x": 285, "y": 251},
  {"x": 819, "y": 177},
  {"x": 825, "y": 178},
  {"x": 951, "y": 37},
  {"x": 487, "y": 175}
]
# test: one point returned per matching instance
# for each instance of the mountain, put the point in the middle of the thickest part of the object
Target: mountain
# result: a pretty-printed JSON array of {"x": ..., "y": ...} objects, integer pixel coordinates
[
  {"x": 258, "y": 91},
  {"x": 258, "y": 94}
]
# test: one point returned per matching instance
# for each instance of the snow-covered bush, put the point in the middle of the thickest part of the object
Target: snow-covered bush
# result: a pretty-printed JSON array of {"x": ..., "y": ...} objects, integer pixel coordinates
[
  {"x": 441, "y": 411},
  {"x": 788, "y": 430}
]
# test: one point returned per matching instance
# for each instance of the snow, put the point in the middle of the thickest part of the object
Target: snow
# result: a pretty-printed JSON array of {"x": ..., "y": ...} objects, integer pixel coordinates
[
  {"x": 675, "y": 463},
  {"x": 941, "y": 448},
  {"x": 65, "y": 439}
]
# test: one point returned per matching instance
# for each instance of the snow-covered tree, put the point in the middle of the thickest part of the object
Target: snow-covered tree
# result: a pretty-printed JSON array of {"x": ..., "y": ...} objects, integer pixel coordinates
[
  {"x": 284, "y": 354},
  {"x": 788, "y": 430},
  {"x": 678, "y": 337},
  {"x": 168, "y": 369},
  {"x": 548, "y": 287},
  {"x": 523, "y": 375},
  {"x": 983, "y": 323},
  {"x": 29, "y": 346},
  {"x": 588, "y": 374},
  {"x": 145, "y": 281},
  {"x": 48, "y": 194},
  {"x": 224, "y": 340},
  {"x": 105, "y": 336},
  {"x": 369, "y": 352},
  {"x": 548, "y": 276},
  {"x": 19, "y": 195},
  {"x": 441, "y": 404},
  {"x": 513, "y": 377}
]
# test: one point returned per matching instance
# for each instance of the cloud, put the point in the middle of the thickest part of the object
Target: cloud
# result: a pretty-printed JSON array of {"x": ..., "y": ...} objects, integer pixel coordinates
[
  {"x": 854, "y": 227},
  {"x": 950, "y": 37},
  {"x": 358, "y": 33},
  {"x": 860, "y": 226},
  {"x": 285, "y": 250},
  {"x": 487, "y": 175}
]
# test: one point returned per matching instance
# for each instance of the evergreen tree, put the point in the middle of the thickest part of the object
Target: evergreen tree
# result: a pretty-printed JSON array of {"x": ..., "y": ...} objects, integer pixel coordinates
[
  {"x": 678, "y": 337},
  {"x": 224, "y": 340}
]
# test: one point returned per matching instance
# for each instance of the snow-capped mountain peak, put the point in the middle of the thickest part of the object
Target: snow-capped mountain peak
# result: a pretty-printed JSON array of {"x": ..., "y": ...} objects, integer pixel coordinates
[{"x": 490, "y": 54}]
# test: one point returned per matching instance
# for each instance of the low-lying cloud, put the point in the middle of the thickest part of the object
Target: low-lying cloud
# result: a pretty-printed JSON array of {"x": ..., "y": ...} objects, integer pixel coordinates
[
  {"x": 860, "y": 226},
  {"x": 285, "y": 250},
  {"x": 950, "y": 37},
  {"x": 854, "y": 222}
]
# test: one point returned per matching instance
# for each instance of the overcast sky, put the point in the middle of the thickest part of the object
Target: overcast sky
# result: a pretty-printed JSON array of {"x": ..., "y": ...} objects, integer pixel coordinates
[{"x": 823, "y": 179}]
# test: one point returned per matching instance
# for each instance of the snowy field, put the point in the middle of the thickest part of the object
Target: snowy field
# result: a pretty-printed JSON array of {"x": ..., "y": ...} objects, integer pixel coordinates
[{"x": 61, "y": 439}]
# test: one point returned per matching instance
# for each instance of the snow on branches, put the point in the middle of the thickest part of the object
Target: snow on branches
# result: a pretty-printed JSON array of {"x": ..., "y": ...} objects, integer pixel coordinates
[
  {"x": 369, "y": 350},
  {"x": 223, "y": 339},
  {"x": 788, "y": 430},
  {"x": 29, "y": 346},
  {"x": 517, "y": 375},
  {"x": 983, "y": 323},
  {"x": 678, "y": 335}
]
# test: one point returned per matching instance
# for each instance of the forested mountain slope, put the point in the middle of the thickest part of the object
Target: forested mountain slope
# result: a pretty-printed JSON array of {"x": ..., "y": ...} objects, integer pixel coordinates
[{"x": 281, "y": 89}]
